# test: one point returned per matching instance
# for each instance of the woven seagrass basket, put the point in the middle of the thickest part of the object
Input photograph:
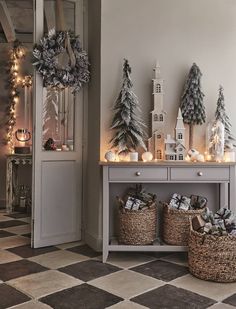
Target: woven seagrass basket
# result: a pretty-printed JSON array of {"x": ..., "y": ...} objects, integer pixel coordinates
[
  {"x": 176, "y": 224},
  {"x": 212, "y": 257},
  {"x": 138, "y": 227}
]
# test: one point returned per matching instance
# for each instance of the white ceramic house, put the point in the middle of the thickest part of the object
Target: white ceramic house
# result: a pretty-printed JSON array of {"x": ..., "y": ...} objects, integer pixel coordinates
[
  {"x": 174, "y": 148},
  {"x": 156, "y": 143}
]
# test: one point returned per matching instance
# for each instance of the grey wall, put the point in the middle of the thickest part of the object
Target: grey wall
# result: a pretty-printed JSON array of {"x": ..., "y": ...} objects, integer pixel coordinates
[{"x": 175, "y": 32}]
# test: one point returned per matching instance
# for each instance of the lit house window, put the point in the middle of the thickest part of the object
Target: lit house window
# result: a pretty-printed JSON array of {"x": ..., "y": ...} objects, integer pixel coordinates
[
  {"x": 159, "y": 154},
  {"x": 158, "y": 88}
]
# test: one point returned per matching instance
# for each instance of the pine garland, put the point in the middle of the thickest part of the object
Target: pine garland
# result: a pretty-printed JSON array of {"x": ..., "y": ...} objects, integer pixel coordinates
[
  {"x": 13, "y": 83},
  {"x": 129, "y": 128}
]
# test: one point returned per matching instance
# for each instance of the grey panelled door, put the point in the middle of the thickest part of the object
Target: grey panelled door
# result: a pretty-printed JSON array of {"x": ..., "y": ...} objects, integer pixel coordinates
[{"x": 57, "y": 175}]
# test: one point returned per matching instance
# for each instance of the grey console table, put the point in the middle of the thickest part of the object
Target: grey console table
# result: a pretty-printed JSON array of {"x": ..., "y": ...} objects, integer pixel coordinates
[{"x": 163, "y": 172}]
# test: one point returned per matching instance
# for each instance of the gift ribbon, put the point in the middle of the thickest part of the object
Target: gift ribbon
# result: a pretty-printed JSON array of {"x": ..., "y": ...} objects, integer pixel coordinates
[{"x": 179, "y": 200}]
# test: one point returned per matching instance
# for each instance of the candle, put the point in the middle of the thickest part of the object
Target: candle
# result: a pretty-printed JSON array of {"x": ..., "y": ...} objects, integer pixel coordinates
[
  {"x": 229, "y": 156},
  {"x": 133, "y": 156},
  {"x": 64, "y": 148}
]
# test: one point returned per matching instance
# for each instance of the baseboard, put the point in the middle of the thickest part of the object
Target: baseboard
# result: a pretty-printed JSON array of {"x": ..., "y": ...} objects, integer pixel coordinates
[{"x": 93, "y": 241}]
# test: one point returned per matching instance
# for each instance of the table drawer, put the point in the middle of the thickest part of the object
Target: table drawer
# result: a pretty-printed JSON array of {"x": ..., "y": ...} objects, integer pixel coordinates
[
  {"x": 137, "y": 174},
  {"x": 200, "y": 174}
]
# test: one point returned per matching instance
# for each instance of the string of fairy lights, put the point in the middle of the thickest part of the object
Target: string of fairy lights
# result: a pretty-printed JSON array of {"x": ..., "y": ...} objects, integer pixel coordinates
[{"x": 14, "y": 82}]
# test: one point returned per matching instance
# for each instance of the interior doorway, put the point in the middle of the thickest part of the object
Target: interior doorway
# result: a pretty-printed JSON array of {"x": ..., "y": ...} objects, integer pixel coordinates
[{"x": 42, "y": 185}]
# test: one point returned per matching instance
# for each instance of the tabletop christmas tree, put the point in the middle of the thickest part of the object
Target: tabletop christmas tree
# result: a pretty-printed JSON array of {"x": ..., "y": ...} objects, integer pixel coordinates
[
  {"x": 128, "y": 127},
  {"x": 192, "y": 106},
  {"x": 221, "y": 115}
]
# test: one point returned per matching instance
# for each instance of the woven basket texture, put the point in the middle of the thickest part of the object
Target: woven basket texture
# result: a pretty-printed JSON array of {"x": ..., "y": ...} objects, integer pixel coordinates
[
  {"x": 138, "y": 227},
  {"x": 176, "y": 224},
  {"x": 211, "y": 257}
]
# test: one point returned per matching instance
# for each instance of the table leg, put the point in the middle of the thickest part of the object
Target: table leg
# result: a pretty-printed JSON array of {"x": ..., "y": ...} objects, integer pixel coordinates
[
  {"x": 105, "y": 214},
  {"x": 9, "y": 185},
  {"x": 224, "y": 201},
  {"x": 232, "y": 189}
]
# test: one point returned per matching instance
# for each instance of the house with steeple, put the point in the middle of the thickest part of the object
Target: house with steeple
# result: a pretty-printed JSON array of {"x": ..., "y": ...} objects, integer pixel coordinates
[
  {"x": 175, "y": 148},
  {"x": 156, "y": 143}
]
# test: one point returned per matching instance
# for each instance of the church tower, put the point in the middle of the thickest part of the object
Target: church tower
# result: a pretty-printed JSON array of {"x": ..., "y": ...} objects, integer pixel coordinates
[
  {"x": 156, "y": 142},
  {"x": 180, "y": 129}
]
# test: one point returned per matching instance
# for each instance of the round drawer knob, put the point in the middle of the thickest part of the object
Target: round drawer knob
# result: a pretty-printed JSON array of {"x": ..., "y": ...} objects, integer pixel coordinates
[
  {"x": 138, "y": 173},
  {"x": 200, "y": 173}
]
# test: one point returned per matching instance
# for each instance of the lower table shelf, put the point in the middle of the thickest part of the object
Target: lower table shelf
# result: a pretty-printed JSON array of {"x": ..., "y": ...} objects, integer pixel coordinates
[{"x": 157, "y": 246}]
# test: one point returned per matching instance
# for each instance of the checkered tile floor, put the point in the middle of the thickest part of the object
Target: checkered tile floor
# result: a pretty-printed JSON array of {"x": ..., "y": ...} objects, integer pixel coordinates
[{"x": 71, "y": 276}]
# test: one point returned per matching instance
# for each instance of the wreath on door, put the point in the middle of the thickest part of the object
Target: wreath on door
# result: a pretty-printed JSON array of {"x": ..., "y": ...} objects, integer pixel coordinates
[{"x": 61, "y": 61}]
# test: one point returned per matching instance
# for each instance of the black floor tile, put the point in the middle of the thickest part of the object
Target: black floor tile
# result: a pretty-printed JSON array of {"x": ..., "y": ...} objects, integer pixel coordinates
[
  {"x": 81, "y": 297},
  {"x": 10, "y": 297},
  {"x": 20, "y": 268},
  {"x": 169, "y": 296},
  {"x": 5, "y": 234},
  {"x": 10, "y": 223},
  {"x": 18, "y": 215},
  {"x": 85, "y": 250},
  {"x": 27, "y": 235},
  {"x": 26, "y": 251},
  {"x": 89, "y": 270},
  {"x": 231, "y": 300},
  {"x": 162, "y": 270}
]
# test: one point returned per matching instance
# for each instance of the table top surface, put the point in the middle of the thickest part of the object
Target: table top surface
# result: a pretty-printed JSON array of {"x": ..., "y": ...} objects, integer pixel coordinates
[{"x": 166, "y": 163}]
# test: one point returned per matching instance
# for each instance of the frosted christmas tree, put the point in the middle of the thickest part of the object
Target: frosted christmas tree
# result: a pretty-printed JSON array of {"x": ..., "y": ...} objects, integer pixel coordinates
[
  {"x": 192, "y": 105},
  {"x": 128, "y": 127},
  {"x": 221, "y": 115}
]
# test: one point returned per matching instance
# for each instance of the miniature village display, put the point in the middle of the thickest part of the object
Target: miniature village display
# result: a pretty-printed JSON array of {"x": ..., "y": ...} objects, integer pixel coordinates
[{"x": 162, "y": 148}]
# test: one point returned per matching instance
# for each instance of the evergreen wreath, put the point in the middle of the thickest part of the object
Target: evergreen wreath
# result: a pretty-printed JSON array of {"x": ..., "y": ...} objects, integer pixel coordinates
[{"x": 48, "y": 53}]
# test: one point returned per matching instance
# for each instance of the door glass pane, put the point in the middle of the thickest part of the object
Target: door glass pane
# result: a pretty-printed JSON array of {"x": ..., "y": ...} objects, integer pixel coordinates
[
  {"x": 58, "y": 119},
  {"x": 58, "y": 103}
]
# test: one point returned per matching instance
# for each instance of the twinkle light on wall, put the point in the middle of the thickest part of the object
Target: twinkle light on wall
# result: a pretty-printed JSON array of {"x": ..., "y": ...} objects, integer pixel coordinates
[{"x": 14, "y": 81}]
